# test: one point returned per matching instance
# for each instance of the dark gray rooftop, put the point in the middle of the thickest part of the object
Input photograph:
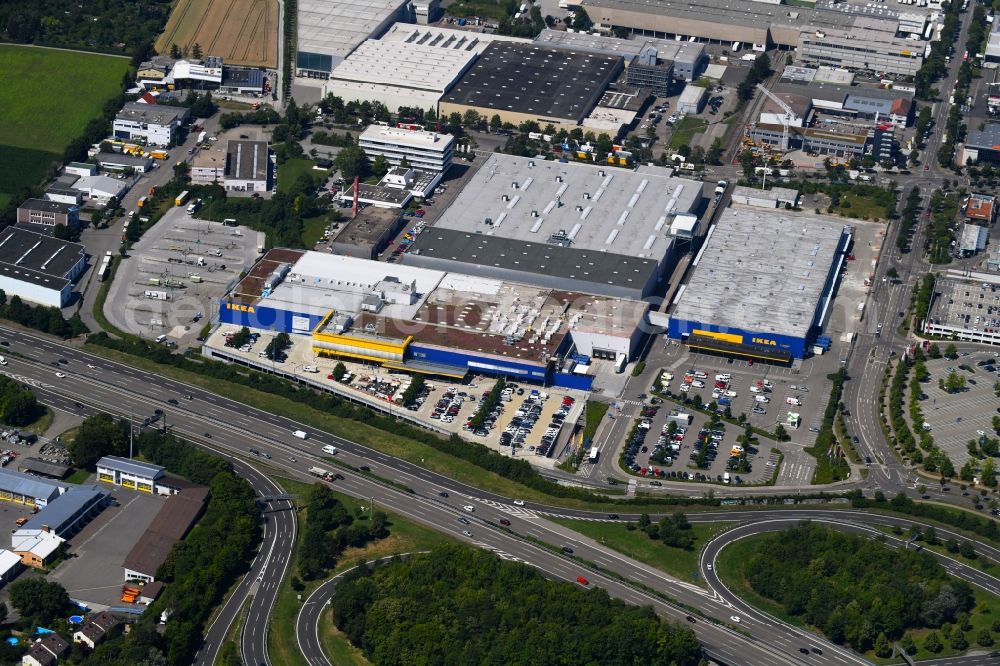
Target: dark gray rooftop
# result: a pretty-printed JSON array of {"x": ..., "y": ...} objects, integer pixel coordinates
[
  {"x": 248, "y": 160},
  {"x": 540, "y": 80},
  {"x": 29, "y": 486},
  {"x": 47, "y": 206},
  {"x": 988, "y": 137},
  {"x": 242, "y": 77},
  {"x": 33, "y": 257},
  {"x": 539, "y": 258}
]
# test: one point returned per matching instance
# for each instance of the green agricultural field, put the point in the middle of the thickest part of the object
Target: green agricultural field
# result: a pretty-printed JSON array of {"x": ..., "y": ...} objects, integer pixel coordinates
[{"x": 48, "y": 97}]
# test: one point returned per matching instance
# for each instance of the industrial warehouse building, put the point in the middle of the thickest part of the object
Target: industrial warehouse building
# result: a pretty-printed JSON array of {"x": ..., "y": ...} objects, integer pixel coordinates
[
  {"x": 327, "y": 31},
  {"x": 410, "y": 66},
  {"x": 39, "y": 268},
  {"x": 558, "y": 225},
  {"x": 367, "y": 233},
  {"x": 244, "y": 166},
  {"x": 764, "y": 25},
  {"x": 526, "y": 82},
  {"x": 429, "y": 321},
  {"x": 761, "y": 285},
  {"x": 152, "y": 124},
  {"x": 687, "y": 59}
]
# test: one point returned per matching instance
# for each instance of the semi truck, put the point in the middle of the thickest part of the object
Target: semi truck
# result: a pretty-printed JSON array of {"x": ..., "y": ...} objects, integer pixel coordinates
[
  {"x": 201, "y": 136},
  {"x": 181, "y": 198},
  {"x": 159, "y": 154},
  {"x": 321, "y": 473},
  {"x": 142, "y": 201}
]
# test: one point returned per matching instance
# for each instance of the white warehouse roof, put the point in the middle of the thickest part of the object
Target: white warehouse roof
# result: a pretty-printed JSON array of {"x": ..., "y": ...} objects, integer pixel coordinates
[
  {"x": 406, "y": 137},
  {"x": 336, "y": 27}
]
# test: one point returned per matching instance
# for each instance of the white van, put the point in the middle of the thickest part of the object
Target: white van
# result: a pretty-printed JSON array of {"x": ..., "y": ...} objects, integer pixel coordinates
[
  {"x": 723, "y": 377},
  {"x": 301, "y": 434},
  {"x": 726, "y": 477},
  {"x": 161, "y": 338},
  {"x": 698, "y": 374},
  {"x": 332, "y": 450},
  {"x": 310, "y": 368},
  {"x": 3, "y": 361}
]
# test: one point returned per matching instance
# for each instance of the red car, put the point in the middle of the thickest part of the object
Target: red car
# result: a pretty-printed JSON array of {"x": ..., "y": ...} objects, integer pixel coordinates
[
  {"x": 927, "y": 167},
  {"x": 582, "y": 581},
  {"x": 720, "y": 385},
  {"x": 505, "y": 522}
]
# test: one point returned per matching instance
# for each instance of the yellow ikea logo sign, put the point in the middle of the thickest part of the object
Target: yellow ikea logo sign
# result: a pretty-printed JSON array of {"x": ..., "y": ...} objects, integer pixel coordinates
[
  {"x": 765, "y": 341},
  {"x": 239, "y": 308}
]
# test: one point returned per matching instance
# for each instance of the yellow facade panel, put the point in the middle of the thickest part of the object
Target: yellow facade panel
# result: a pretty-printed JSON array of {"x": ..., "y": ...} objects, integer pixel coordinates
[{"x": 725, "y": 337}]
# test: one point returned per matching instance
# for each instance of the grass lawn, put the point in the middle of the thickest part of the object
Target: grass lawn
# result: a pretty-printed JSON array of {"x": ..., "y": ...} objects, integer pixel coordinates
[
  {"x": 78, "y": 476},
  {"x": 729, "y": 567},
  {"x": 684, "y": 131},
  {"x": 862, "y": 207},
  {"x": 312, "y": 230},
  {"x": 595, "y": 412},
  {"x": 290, "y": 171},
  {"x": 493, "y": 9},
  {"x": 48, "y": 97},
  {"x": 682, "y": 564},
  {"x": 404, "y": 536}
]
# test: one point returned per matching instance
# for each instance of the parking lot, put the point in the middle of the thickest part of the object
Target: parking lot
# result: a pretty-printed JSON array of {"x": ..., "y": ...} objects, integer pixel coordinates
[
  {"x": 672, "y": 442},
  {"x": 92, "y": 571},
  {"x": 179, "y": 268},
  {"x": 954, "y": 419},
  {"x": 523, "y": 417}
]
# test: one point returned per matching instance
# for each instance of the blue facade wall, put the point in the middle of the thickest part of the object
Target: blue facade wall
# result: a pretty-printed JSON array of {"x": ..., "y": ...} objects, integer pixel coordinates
[
  {"x": 796, "y": 346},
  {"x": 475, "y": 363},
  {"x": 283, "y": 321},
  {"x": 569, "y": 380}
]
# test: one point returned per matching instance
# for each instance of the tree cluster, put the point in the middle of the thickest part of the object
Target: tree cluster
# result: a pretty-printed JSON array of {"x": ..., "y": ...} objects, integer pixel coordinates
[
  {"x": 854, "y": 588},
  {"x": 759, "y": 71},
  {"x": 39, "y": 600},
  {"x": 413, "y": 390},
  {"x": 98, "y": 436},
  {"x": 18, "y": 406},
  {"x": 674, "y": 531},
  {"x": 491, "y": 401},
  {"x": 41, "y": 318},
  {"x": 277, "y": 346},
  {"x": 908, "y": 220},
  {"x": 88, "y": 26},
  {"x": 464, "y": 606},
  {"x": 329, "y": 529}
]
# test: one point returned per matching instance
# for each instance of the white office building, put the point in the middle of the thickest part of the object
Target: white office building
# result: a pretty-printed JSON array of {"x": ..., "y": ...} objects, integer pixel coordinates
[
  {"x": 425, "y": 151},
  {"x": 152, "y": 124}
]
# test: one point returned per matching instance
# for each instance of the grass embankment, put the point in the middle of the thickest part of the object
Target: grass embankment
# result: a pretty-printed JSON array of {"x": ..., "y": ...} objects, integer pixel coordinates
[
  {"x": 404, "y": 536},
  {"x": 41, "y": 424},
  {"x": 48, "y": 97},
  {"x": 680, "y": 563},
  {"x": 729, "y": 566}
]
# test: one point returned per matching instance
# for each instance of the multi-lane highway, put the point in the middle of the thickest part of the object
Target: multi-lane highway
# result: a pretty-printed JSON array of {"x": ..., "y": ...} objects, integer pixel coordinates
[{"x": 93, "y": 382}]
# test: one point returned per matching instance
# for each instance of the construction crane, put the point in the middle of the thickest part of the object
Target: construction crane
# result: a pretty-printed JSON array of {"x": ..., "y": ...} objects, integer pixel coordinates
[{"x": 786, "y": 120}]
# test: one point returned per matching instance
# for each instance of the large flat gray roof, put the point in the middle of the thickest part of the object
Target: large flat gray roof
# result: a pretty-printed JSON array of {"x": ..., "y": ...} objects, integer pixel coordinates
[
  {"x": 687, "y": 52},
  {"x": 610, "y": 210},
  {"x": 534, "y": 258},
  {"x": 535, "y": 79},
  {"x": 29, "y": 486},
  {"x": 762, "y": 271}
]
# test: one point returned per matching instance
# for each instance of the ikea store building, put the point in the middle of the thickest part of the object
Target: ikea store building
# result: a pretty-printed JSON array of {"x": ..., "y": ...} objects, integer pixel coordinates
[
  {"x": 762, "y": 284},
  {"x": 433, "y": 322}
]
